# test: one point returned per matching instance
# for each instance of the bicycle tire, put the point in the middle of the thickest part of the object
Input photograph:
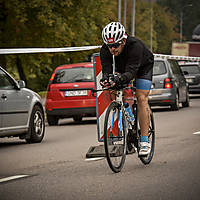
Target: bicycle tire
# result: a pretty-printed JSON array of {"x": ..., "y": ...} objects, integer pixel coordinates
[
  {"x": 115, "y": 141},
  {"x": 147, "y": 159}
]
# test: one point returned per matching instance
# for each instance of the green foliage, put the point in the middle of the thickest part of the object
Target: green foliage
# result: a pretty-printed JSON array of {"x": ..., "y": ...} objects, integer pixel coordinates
[
  {"x": 164, "y": 24},
  {"x": 70, "y": 23},
  {"x": 191, "y": 14},
  {"x": 50, "y": 23}
]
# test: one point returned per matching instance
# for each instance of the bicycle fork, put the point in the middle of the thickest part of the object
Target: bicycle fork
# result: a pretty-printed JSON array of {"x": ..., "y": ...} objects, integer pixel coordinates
[{"x": 113, "y": 120}]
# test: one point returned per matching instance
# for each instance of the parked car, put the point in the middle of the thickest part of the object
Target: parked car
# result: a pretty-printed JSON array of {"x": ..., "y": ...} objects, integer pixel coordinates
[
  {"x": 169, "y": 87},
  {"x": 21, "y": 110},
  {"x": 69, "y": 93},
  {"x": 191, "y": 71}
]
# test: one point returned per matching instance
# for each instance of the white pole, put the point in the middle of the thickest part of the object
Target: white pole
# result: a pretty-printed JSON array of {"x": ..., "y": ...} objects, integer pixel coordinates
[
  {"x": 151, "y": 37},
  {"x": 119, "y": 11},
  {"x": 181, "y": 25},
  {"x": 133, "y": 18},
  {"x": 125, "y": 5}
]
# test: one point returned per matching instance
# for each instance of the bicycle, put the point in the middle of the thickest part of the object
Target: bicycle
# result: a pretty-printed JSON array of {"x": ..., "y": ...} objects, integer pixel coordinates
[{"x": 117, "y": 129}]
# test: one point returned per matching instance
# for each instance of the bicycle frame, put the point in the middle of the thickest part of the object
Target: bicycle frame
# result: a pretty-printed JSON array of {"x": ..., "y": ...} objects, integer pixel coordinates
[{"x": 119, "y": 100}]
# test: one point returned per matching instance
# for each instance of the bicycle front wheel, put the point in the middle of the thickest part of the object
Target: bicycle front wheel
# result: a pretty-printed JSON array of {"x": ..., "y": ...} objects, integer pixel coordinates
[{"x": 115, "y": 137}]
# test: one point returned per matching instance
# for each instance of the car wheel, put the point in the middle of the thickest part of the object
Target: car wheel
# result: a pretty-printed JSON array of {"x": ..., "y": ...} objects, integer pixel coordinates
[
  {"x": 36, "y": 125},
  {"x": 77, "y": 118},
  {"x": 175, "y": 106},
  {"x": 187, "y": 102},
  {"x": 52, "y": 120}
]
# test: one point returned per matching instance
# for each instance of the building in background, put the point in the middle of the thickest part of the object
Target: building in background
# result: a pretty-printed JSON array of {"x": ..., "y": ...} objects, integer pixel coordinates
[{"x": 190, "y": 48}]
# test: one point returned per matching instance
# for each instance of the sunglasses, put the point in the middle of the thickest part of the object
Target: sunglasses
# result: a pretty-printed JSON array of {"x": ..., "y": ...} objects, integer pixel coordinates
[{"x": 115, "y": 45}]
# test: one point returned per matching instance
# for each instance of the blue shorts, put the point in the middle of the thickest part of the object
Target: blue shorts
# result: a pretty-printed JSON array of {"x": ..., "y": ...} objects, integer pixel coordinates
[{"x": 143, "y": 84}]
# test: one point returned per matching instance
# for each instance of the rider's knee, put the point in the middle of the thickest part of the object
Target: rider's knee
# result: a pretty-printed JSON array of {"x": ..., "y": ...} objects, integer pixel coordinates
[{"x": 142, "y": 99}]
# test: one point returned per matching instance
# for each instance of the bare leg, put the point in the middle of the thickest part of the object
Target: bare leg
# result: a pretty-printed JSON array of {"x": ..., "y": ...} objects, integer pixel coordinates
[{"x": 143, "y": 111}]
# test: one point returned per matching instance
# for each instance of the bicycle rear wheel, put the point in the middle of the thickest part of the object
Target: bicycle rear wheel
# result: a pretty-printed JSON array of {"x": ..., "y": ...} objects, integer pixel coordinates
[
  {"x": 115, "y": 137},
  {"x": 147, "y": 159}
]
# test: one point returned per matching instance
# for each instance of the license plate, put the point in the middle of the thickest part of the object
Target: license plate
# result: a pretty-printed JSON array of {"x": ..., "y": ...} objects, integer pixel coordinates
[
  {"x": 76, "y": 93},
  {"x": 189, "y": 80}
]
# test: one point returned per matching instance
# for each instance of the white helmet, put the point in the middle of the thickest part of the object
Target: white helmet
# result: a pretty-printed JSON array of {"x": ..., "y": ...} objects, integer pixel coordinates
[{"x": 113, "y": 33}]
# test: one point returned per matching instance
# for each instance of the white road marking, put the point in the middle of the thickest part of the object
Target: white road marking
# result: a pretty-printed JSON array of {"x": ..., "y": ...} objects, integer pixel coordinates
[
  {"x": 94, "y": 159},
  {"x": 197, "y": 133},
  {"x": 12, "y": 178}
]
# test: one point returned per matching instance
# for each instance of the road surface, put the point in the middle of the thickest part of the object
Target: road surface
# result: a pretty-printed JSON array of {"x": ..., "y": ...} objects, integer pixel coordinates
[{"x": 57, "y": 168}]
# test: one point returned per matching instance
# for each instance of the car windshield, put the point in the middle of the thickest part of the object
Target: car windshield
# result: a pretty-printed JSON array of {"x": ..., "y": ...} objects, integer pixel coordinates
[
  {"x": 159, "y": 68},
  {"x": 191, "y": 69},
  {"x": 76, "y": 74}
]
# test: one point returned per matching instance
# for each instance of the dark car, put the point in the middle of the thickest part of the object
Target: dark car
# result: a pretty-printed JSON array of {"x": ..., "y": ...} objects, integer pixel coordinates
[
  {"x": 21, "y": 110},
  {"x": 169, "y": 87},
  {"x": 191, "y": 72},
  {"x": 69, "y": 93}
]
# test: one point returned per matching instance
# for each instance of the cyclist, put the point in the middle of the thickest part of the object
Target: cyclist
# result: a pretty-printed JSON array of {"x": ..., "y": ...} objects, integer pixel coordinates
[{"x": 132, "y": 60}]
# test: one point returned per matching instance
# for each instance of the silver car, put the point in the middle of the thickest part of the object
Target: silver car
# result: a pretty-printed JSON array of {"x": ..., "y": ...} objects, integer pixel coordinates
[
  {"x": 21, "y": 110},
  {"x": 191, "y": 71},
  {"x": 169, "y": 87}
]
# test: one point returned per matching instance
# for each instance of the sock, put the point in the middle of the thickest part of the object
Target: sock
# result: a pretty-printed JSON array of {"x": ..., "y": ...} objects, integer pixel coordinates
[{"x": 144, "y": 139}]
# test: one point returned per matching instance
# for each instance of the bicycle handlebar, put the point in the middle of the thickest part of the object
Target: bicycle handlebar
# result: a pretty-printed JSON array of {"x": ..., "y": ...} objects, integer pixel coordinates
[{"x": 112, "y": 88}]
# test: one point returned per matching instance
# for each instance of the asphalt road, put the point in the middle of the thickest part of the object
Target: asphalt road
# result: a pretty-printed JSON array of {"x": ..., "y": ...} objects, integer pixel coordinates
[{"x": 57, "y": 169}]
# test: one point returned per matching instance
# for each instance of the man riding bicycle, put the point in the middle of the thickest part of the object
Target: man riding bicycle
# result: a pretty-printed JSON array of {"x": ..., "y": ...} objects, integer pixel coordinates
[{"x": 132, "y": 60}]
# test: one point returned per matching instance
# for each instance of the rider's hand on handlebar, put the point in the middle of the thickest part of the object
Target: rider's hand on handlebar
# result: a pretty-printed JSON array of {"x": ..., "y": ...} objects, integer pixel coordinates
[
  {"x": 115, "y": 80},
  {"x": 112, "y": 81},
  {"x": 104, "y": 82}
]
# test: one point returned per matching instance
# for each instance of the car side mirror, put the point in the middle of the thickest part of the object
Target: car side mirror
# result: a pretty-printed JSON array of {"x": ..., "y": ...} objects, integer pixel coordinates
[
  {"x": 185, "y": 73},
  {"x": 21, "y": 84}
]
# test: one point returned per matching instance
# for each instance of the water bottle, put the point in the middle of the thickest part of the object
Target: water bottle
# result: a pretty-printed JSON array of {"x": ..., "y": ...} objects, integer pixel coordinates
[{"x": 129, "y": 112}]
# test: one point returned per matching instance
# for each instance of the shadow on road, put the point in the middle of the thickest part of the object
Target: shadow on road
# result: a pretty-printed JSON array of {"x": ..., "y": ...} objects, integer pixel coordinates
[
  {"x": 12, "y": 143},
  {"x": 72, "y": 123},
  {"x": 161, "y": 109}
]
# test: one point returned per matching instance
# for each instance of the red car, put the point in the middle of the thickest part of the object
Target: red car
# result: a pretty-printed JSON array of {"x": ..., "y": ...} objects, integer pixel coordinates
[{"x": 69, "y": 93}]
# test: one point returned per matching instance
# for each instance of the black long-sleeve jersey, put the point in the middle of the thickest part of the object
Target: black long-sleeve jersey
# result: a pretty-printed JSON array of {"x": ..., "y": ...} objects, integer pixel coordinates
[{"x": 134, "y": 61}]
